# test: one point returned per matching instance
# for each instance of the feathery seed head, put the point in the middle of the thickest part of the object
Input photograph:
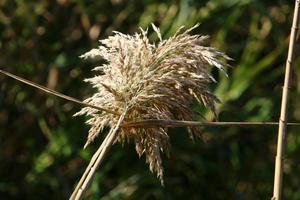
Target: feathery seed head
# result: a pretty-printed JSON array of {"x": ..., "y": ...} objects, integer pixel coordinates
[{"x": 153, "y": 81}]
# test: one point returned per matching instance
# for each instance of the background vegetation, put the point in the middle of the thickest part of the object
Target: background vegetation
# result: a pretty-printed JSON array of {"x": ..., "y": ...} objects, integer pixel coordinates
[{"x": 41, "y": 154}]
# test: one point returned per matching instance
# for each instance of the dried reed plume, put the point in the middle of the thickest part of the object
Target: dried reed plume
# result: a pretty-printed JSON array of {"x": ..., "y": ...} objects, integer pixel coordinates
[{"x": 151, "y": 81}]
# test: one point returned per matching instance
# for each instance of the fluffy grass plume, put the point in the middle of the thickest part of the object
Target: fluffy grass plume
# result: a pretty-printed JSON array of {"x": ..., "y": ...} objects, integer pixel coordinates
[{"x": 151, "y": 81}]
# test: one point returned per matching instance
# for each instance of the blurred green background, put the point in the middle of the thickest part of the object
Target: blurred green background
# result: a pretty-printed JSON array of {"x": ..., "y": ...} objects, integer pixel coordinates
[{"x": 41, "y": 155}]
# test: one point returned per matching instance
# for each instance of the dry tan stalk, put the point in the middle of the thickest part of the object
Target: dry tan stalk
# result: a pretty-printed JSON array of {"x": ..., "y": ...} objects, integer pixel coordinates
[
  {"x": 278, "y": 173},
  {"x": 180, "y": 123},
  {"x": 96, "y": 160},
  {"x": 55, "y": 93}
]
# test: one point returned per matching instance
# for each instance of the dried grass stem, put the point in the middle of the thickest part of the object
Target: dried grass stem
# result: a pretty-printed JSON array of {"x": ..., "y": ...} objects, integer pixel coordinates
[
  {"x": 179, "y": 123},
  {"x": 96, "y": 161},
  {"x": 55, "y": 93},
  {"x": 283, "y": 113}
]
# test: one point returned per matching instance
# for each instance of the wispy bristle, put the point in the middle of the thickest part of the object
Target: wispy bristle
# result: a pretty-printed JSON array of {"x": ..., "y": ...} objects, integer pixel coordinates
[{"x": 155, "y": 81}]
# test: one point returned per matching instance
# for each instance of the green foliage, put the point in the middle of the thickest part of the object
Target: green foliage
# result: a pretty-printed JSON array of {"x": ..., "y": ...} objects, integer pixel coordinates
[{"x": 41, "y": 155}]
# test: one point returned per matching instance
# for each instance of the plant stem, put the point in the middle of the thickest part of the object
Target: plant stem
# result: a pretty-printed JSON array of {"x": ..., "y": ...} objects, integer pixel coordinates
[
  {"x": 96, "y": 161},
  {"x": 55, "y": 93},
  {"x": 283, "y": 113},
  {"x": 179, "y": 123}
]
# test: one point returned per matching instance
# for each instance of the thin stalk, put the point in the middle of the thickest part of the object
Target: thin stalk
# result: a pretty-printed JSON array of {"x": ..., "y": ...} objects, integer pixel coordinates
[
  {"x": 179, "y": 123},
  {"x": 55, "y": 93},
  {"x": 283, "y": 113},
  {"x": 92, "y": 162},
  {"x": 96, "y": 160}
]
